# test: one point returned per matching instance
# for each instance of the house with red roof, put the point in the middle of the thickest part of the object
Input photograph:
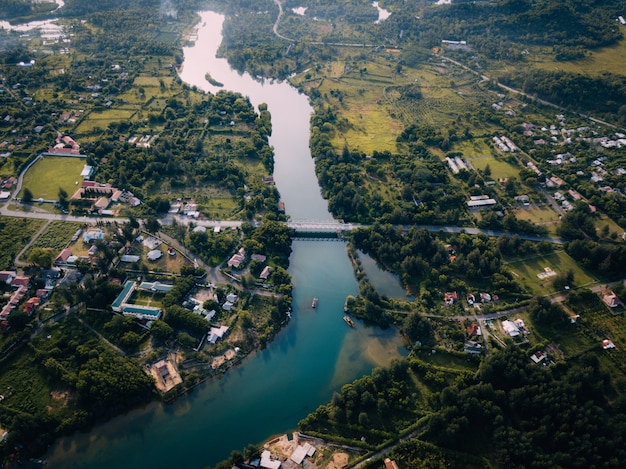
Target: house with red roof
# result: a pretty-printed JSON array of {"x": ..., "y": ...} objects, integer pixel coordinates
[
  {"x": 20, "y": 281},
  {"x": 63, "y": 256}
]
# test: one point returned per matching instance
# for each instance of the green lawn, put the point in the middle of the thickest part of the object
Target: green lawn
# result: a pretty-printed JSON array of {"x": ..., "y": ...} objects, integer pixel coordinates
[
  {"x": 102, "y": 119},
  {"x": 499, "y": 168},
  {"x": 50, "y": 173},
  {"x": 544, "y": 216},
  {"x": 526, "y": 270},
  {"x": 472, "y": 148}
]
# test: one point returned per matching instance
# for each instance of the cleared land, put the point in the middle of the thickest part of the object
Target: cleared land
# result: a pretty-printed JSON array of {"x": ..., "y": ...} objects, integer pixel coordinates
[{"x": 526, "y": 271}]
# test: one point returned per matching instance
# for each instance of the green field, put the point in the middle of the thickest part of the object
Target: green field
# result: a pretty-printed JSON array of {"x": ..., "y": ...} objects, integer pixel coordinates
[
  {"x": 475, "y": 147},
  {"x": 55, "y": 237},
  {"x": 607, "y": 59},
  {"x": 543, "y": 216},
  {"x": 50, "y": 173},
  {"x": 526, "y": 270},
  {"x": 102, "y": 119},
  {"x": 499, "y": 168},
  {"x": 15, "y": 233}
]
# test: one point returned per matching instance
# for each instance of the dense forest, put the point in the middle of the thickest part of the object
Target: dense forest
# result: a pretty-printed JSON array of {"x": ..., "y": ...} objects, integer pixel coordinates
[
  {"x": 95, "y": 380},
  {"x": 511, "y": 412},
  {"x": 604, "y": 95}
]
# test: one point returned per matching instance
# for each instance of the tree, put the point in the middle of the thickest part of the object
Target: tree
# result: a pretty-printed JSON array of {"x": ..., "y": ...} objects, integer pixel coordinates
[
  {"x": 152, "y": 225},
  {"x": 161, "y": 330},
  {"x": 18, "y": 320},
  {"x": 27, "y": 196},
  {"x": 63, "y": 201},
  {"x": 41, "y": 257}
]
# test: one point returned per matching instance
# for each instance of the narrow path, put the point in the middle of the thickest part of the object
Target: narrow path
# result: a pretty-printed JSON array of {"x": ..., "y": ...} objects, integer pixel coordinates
[
  {"x": 277, "y": 22},
  {"x": 104, "y": 339},
  {"x": 17, "y": 260}
]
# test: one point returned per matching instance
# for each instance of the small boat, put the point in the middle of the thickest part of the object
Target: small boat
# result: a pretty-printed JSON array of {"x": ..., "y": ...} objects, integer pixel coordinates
[
  {"x": 345, "y": 306},
  {"x": 348, "y": 320},
  {"x": 314, "y": 304}
]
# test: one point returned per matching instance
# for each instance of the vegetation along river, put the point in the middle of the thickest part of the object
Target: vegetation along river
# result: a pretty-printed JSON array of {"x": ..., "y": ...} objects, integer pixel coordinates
[{"x": 308, "y": 360}]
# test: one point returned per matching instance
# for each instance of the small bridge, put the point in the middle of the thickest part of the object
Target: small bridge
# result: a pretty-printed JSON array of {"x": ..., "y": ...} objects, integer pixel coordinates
[{"x": 320, "y": 228}]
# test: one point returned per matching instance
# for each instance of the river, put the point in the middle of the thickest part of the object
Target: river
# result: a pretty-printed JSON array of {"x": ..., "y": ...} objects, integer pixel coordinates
[{"x": 308, "y": 360}]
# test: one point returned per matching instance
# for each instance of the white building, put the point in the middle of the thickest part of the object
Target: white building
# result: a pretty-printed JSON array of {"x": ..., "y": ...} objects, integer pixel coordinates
[{"x": 510, "y": 328}]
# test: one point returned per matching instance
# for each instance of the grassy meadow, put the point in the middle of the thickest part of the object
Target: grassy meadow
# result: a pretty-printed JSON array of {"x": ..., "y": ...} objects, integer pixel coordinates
[
  {"x": 50, "y": 173},
  {"x": 525, "y": 271},
  {"x": 607, "y": 59}
]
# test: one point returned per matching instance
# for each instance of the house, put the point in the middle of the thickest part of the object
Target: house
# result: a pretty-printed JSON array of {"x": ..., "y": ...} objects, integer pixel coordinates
[
  {"x": 7, "y": 276},
  {"x": 216, "y": 333},
  {"x": 156, "y": 287},
  {"x": 473, "y": 329},
  {"x": 266, "y": 272},
  {"x": 87, "y": 171},
  {"x": 258, "y": 257},
  {"x": 538, "y": 357},
  {"x": 485, "y": 297},
  {"x": 151, "y": 243},
  {"x": 301, "y": 452},
  {"x": 129, "y": 258},
  {"x": 268, "y": 462},
  {"x": 102, "y": 203},
  {"x": 471, "y": 299},
  {"x": 481, "y": 201},
  {"x": 607, "y": 344},
  {"x": 390, "y": 464},
  {"x": 450, "y": 297},
  {"x": 92, "y": 235},
  {"x": 235, "y": 261},
  {"x": 31, "y": 305},
  {"x": 63, "y": 256},
  {"x": 227, "y": 306},
  {"x": 148, "y": 313},
  {"x": 610, "y": 299},
  {"x": 20, "y": 281},
  {"x": 510, "y": 328},
  {"x": 155, "y": 255},
  {"x": 574, "y": 194},
  {"x": 42, "y": 293},
  {"x": 231, "y": 297}
]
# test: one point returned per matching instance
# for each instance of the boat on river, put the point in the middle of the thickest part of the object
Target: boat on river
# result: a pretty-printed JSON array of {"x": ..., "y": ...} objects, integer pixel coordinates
[
  {"x": 348, "y": 320},
  {"x": 314, "y": 304}
]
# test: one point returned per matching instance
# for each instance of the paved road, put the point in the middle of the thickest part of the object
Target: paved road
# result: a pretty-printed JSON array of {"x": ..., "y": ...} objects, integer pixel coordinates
[{"x": 332, "y": 227}]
